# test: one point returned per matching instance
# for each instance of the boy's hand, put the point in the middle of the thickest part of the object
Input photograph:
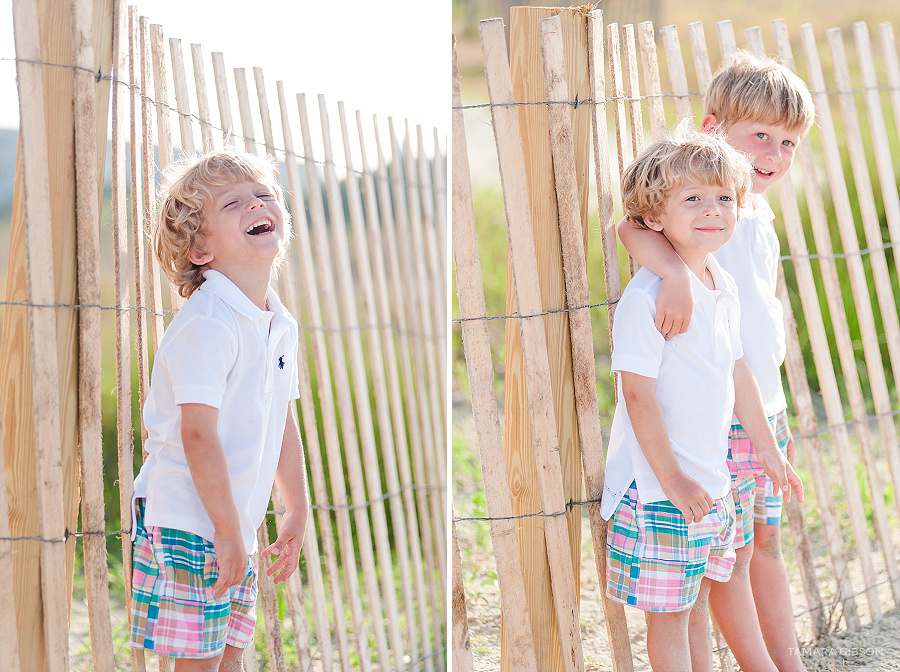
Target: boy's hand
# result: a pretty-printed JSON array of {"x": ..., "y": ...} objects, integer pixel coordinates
[
  {"x": 231, "y": 557},
  {"x": 779, "y": 469},
  {"x": 287, "y": 546},
  {"x": 674, "y": 304},
  {"x": 688, "y": 496}
]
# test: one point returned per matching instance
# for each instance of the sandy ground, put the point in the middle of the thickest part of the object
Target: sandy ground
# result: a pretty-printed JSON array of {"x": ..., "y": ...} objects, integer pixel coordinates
[{"x": 874, "y": 647}]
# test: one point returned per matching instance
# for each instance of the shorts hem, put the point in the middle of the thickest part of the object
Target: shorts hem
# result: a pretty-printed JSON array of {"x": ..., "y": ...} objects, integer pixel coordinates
[
  {"x": 651, "y": 609},
  {"x": 178, "y": 654}
]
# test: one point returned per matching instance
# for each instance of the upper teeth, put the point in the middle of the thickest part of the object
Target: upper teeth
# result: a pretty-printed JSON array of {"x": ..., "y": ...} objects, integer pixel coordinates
[
  {"x": 261, "y": 224},
  {"x": 765, "y": 172}
]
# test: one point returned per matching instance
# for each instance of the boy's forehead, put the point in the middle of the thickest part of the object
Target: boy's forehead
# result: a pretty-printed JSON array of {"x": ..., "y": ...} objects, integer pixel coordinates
[
  {"x": 698, "y": 182},
  {"x": 219, "y": 190},
  {"x": 775, "y": 126}
]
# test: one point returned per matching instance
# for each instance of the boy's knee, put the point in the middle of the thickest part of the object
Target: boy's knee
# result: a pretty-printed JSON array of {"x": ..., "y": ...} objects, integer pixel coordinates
[
  {"x": 742, "y": 557},
  {"x": 232, "y": 660},
  {"x": 197, "y": 665},
  {"x": 768, "y": 540}
]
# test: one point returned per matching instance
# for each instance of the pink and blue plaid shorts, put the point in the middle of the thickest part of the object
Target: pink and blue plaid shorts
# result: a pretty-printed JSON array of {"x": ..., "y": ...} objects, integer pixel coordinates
[
  {"x": 173, "y": 612},
  {"x": 756, "y": 499},
  {"x": 657, "y": 561}
]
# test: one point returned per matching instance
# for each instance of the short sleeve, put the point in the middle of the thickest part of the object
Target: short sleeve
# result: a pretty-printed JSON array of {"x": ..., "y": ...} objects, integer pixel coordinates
[
  {"x": 199, "y": 359},
  {"x": 734, "y": 327},
  {"x": 637, "y": 343}
]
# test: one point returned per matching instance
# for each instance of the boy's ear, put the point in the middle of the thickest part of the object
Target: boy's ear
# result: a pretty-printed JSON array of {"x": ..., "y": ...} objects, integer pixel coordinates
[
  {"x": 199, "y": 257},
  {"x": 709, "y": 123},
  {"x": 652, "y": 223}
]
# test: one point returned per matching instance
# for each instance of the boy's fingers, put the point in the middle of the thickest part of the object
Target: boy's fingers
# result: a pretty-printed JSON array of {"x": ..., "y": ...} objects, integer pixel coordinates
[{"x": 797, "y": 486}]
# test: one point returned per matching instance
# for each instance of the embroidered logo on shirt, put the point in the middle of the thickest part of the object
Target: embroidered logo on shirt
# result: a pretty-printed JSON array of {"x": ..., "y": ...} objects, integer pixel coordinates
[{"x": 281, "y": 362}]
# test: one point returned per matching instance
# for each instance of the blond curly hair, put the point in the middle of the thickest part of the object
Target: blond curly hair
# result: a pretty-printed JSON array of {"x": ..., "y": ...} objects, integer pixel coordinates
[
  {"x": 178, "y": 229},
  {"x": 685, "y": 156}
]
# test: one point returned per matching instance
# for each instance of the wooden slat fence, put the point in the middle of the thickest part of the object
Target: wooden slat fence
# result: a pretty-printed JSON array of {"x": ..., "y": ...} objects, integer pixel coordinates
[
  {"x": 370, "y": 590},
  {"x": 845, "y": 402}
]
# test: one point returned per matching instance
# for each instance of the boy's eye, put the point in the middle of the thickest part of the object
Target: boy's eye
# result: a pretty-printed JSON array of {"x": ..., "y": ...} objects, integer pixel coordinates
[
  {"x": 762, "y": 136},
  {"x": 266, "y": 195},
  {"x": 788, "y": 143},
  {"x": 692, "y": 198},
  {"x": 230, "y": 203},
  {"x": 725, "y": 197}
]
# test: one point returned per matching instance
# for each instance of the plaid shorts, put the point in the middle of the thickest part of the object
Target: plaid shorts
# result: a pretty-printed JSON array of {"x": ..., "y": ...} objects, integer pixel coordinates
[
  {"x": 756, "y": 499},
  {"x": 173, "y": 612},
  {"x": 657, "y": 560}
]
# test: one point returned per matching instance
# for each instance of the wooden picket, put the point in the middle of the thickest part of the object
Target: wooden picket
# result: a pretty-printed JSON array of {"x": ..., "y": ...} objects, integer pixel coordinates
[{"x": 859, "y": 563}]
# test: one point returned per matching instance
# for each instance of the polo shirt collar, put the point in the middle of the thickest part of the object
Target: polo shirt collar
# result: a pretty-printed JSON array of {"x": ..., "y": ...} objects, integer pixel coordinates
[
  {"x": 758, "y": 209},
  {"x": 219, "y": 284},
  {"x": 723, "y": 287}
]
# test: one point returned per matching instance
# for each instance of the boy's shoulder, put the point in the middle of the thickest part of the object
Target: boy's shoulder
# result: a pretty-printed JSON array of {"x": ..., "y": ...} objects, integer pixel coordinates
[
  {"x": 757, "y": 211},
  {"x": 637, "y": 305},
  {"x": 644, "y": 282},
  {"x": 203, "y": 314}
]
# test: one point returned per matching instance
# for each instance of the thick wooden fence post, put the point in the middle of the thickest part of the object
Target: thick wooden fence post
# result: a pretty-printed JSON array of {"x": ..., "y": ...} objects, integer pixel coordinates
[
  {"x": 528, "y": 85},
  {"x": 535, "y": 444},
  {"x": 55, "y": 45}
]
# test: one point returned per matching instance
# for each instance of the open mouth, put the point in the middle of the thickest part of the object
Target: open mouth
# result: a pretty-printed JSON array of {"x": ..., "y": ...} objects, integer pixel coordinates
[
  {"x": 762, "y": 172},
  {"x": 261, "y": 227}
]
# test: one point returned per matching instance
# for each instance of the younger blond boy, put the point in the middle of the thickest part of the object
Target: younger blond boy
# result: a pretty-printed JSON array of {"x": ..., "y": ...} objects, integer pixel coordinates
[
  {"x": 764, "y": 110},
  {"x": 667, "y": 491}
]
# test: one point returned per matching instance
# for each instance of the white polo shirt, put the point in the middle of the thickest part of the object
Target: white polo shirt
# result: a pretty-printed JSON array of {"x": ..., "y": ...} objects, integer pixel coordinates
[
  {"x": 752, "y": 257},
  {"x": 220, "y": 350},
  {"x": 694, "y": 375}
]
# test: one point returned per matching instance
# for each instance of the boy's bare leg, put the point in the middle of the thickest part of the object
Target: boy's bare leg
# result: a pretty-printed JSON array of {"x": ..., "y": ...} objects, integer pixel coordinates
[
  {"x": 769, "y": 578},
  {"x": 667, "y": 641},
  {"x": 733, "y": 607},
  {"x": 198, "y": 665},
  {"x": 698, "y": 631},
  {"x": 233, "y": 660}
]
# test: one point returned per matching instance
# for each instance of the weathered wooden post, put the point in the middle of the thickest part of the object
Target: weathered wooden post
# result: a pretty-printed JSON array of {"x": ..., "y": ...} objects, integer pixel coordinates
[
  {"x": 528, "y": 85},
  {"x": 15, "y": 368}
]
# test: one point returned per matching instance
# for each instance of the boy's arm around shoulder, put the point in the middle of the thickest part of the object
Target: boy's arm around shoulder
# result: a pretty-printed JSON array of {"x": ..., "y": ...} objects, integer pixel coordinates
[
  {"x": 209, "y": 471},
  {"x": 675, "y": 301},
  {"x": 750, "y": 413},
  {"x": 290, "y": 477}
]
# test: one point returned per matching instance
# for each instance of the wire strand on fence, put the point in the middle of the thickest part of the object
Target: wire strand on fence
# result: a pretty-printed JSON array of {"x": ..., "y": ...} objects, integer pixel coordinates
[
  {"x": 571, "y": 504},
  {"x": 665, "y": 94},
  {"x": 422, "y": 659},
  {"x": 836, "y": 600},
  {"x": 840, "y": 255},
  {"x": 516, "y": 315},
  {"x": 849, "y": 423},
  {"x": 99, "y": 76},
  {"x": 307, "y": 327},
  {"x": 786, "y": 257},
  {"x": 427, "y": 487}
]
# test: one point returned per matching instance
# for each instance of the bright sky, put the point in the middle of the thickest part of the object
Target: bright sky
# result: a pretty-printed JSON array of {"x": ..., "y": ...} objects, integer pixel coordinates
[{"x": 390, "y": 59}]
